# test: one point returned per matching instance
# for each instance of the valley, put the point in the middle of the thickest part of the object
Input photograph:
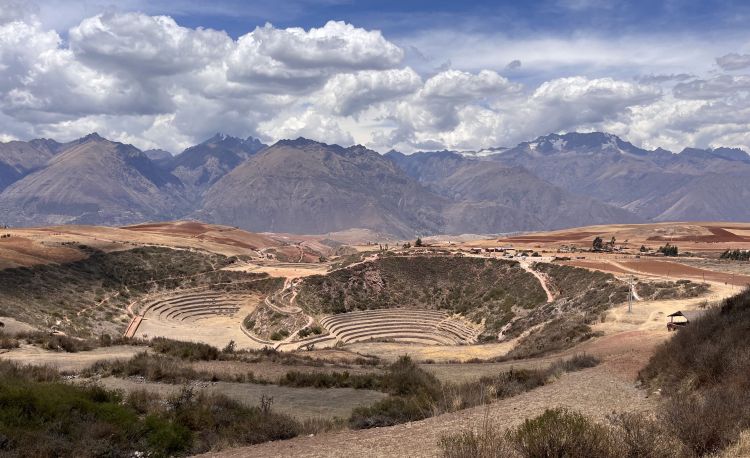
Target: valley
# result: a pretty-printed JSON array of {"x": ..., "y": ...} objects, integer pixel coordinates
[{"x": 319, "y": 326}]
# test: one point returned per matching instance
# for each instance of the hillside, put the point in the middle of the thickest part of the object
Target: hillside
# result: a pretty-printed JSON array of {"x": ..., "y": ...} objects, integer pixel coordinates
[
  {"x": 89, "y": 296},
  {"x": 529, "y": 202},
  {"x": 94, "y": 181},
  {"x": 504, "y": 297},
  {"x": 305, "y": 187},
  {"x": 18, "y": 159},
  {"x": 302, "y": 186},
  {"x": 200, "y": 166},
  {"x": 659, "y": 185}
]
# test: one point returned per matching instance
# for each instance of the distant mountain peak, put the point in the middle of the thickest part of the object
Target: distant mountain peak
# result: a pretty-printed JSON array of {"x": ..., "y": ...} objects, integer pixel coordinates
[
  {"x": 301, "y": 142},
  {"x": 93, "y": 136},
  {"x": 220, "y": 137},
  {"x": 731, "y": 154}
]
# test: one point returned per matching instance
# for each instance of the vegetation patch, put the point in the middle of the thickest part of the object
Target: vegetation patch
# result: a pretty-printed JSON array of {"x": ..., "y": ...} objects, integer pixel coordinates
[
  {"x": 480, "y": 289},
  {"x": 416, "y": 394},
  {"x": 564, "y": 433},
  {"x": 41, "y": 416},
  {"x": 268, "y": 324},
  {"x": 663, "y": 290},
  {"x": 87, "y": 298},
  {"x": 583, "y": 295},
  {"x": 736, "y": 255}
]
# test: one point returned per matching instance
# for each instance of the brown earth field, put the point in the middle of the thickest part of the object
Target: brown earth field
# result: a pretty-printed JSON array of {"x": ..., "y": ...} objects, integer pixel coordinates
[
  {"x": 302, "y": 403},
  {"x": 662, "y": 268},
  {"x": 692, "y": 236},
  {"x": 40, "y": 245}
]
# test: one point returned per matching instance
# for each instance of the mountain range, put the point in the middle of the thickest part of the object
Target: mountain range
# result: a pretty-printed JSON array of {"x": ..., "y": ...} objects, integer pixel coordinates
[{"x": 304, "y": 186}]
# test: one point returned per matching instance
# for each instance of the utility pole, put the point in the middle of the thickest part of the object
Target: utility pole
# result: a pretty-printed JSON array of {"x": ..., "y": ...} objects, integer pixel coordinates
[{"x": 630, "y": 294}]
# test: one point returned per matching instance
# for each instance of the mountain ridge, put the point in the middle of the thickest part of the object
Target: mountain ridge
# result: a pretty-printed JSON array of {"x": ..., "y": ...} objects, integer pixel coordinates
[{"x": 302, "y": 185}]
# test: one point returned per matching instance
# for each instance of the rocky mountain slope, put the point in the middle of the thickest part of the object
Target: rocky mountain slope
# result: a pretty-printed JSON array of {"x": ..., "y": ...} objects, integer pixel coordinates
[
  {"x": 200, "y": 166},
  {"x": 303, "y": 186},
  {"x": 657, "y": 185},
  {"x": 18, "y": 159},
  {"x": 533, "y": 202},
  {"x": 309, "y": 187},
  {"x": 94, "y": 181}
]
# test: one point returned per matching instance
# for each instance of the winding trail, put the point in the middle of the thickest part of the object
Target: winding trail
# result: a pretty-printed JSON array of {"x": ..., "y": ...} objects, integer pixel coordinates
[{"x": 542, "y": 280}]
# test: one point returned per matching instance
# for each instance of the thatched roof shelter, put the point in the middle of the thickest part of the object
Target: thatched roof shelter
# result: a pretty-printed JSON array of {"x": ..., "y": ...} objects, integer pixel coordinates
[{"x": 690, "y": 315}]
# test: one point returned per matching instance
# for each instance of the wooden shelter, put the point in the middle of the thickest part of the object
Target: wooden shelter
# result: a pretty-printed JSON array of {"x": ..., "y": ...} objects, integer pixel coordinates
[{"x": 687, "y": 317}]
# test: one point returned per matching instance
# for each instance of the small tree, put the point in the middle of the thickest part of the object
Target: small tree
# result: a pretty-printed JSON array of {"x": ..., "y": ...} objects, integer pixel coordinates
[
  {"x": 669, "y": 250},
  {"x": 643, "y": 249},
  {"x": 598, "y": 244},
  {"x": 418, "y": 243}
]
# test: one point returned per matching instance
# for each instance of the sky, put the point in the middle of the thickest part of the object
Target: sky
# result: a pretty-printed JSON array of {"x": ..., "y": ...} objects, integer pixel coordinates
[{"x": 404, "y": 75}]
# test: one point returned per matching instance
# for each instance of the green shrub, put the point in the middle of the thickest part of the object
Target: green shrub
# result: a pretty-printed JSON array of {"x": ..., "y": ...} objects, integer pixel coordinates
[
  {"x": 191, "y": 351},
  {"x": 416, "y": 394},
  {"x": 331, "y": 380},
  {"x": 40, "y": 416},
  {"x": 562, "y": 433}
]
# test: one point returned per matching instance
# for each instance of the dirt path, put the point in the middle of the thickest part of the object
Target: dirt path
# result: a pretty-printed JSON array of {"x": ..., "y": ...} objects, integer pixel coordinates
[
  {"x": 542, "y": 281},
  {"x": 29, "y": 354}
]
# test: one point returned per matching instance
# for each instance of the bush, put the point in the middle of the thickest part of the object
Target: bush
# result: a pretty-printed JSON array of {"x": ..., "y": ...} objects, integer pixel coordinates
[
  {"x": 413, "y": 395},
  {"x": 391, "y": 411},
  {"x": 416, "y": 394},
  {"x": 489, "y": 442},
  {"x": 562, "y": 433},
  {"x": 331, "y": 380},
  {"x": 641, "y": 437},
  {"x": 40, "y": 416},
  {"x": 669, "y": 250},
  {"x": 191, "y": 351},
  {"x": 7, "y": 342},
  {"x": 703, "y": 371},
  {"x": 709, "y": 422}
]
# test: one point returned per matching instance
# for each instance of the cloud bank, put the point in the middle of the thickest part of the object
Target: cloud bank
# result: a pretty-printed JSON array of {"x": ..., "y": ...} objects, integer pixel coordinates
[{"x": 149, "y": 81}]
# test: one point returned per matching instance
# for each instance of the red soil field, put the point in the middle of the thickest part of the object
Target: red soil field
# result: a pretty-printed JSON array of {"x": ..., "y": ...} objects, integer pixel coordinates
[
  {"x": 718, "y": 235},
  {"x": 672, "y": 269}
]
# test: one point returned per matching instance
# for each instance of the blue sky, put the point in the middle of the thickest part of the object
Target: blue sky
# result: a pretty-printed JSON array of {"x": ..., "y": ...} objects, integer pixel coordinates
[
  {"x": 403, "y": 18},
  {"x": 389, "y": 74}
]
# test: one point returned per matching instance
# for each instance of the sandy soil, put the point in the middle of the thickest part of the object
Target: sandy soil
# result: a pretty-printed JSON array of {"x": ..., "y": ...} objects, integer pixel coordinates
[
  {"x": 285, "y": 271},
  {"x": 673, "y": 270},
  {"x": 718, "y": 265},
  {"x": 68, "y": 362},
  {"x": 13, "y": 326},
  {"x": 298, "y": 402},
  {"x": 692, "y": 236},
  {"x": 390, "y": 351}
]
